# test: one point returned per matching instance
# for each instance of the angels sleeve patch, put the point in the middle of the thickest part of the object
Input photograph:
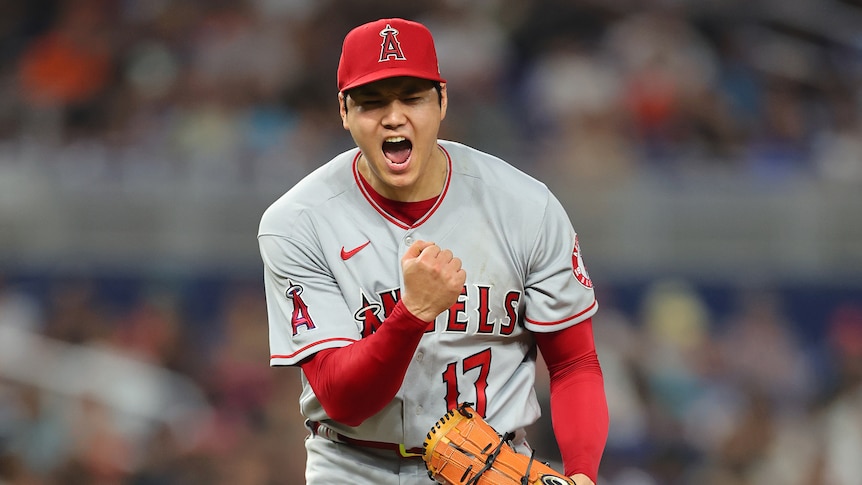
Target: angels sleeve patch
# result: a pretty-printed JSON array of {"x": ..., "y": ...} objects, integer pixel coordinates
[{"x": 578, "y": 267}]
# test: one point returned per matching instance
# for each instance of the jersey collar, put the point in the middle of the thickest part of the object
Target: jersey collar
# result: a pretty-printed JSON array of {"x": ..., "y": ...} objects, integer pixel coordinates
[{"x": 370, "y": 198}]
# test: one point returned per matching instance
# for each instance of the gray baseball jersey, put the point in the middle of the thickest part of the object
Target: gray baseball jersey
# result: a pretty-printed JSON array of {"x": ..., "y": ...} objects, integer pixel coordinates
[{"x": 332, "y": 273}]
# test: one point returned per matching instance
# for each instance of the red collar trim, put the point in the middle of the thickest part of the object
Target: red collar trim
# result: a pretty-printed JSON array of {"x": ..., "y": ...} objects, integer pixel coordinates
[{"x": 370, "y": 196}]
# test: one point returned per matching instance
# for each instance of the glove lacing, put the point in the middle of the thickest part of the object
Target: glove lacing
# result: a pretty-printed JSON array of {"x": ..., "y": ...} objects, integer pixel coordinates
[{"x": 489, "y": 462}]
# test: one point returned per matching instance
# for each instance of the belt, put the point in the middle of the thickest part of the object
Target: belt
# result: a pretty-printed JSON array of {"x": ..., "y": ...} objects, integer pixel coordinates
[{"x": 324, "y": 431}]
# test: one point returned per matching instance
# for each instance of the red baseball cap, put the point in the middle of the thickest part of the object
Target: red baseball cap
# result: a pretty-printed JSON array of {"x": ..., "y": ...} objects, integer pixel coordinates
[{"x": 387, "y": 48}]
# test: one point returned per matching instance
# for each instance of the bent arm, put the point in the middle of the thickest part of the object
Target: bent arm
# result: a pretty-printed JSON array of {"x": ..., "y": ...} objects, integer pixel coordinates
[{"x": 355, "y": 382}]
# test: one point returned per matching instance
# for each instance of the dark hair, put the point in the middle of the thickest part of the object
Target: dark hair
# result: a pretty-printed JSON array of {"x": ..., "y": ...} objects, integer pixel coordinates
[{"x": 439, "y": 88}]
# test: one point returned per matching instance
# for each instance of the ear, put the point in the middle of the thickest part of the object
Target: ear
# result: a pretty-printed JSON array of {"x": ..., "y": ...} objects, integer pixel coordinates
[
  {"x": 342, "y": 109},
  {"x": 444, "y": 101}
]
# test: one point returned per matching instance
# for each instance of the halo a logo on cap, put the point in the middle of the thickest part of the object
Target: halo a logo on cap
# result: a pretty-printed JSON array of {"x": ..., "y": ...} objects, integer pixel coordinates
[{"x": 390, "y": 48}]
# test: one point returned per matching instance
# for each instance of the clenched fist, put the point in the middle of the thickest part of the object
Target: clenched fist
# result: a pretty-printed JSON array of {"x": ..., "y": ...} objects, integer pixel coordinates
[{"x": 433, "y": 279}]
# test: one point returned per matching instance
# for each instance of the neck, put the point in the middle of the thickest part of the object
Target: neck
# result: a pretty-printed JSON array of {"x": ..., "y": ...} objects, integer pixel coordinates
[{"x": 427, "y": 185}]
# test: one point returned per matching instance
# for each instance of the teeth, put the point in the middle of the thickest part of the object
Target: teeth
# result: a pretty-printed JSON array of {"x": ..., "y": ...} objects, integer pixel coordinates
[{"x": 395, "y": 139}]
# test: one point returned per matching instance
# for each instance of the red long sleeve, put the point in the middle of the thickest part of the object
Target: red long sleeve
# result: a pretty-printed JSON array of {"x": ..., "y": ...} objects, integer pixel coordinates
[
  {"x": 579, "y": 408},
  {"x": 354, "y": 382}
]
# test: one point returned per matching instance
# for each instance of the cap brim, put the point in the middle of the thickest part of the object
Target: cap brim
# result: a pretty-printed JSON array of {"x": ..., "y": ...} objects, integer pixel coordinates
[{"x": 390, "y": 73}]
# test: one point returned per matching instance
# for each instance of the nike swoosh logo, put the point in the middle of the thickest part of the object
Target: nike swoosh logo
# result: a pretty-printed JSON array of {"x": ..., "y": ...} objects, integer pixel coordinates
[{"x": 345, "y": 255}]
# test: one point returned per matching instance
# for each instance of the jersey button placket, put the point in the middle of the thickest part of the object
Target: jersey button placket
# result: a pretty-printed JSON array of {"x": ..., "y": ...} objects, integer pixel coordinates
[{"x": 408, "y": 241}]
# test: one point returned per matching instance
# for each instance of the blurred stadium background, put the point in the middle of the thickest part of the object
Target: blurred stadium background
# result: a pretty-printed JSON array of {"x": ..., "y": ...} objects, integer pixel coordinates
[{"x": 709, "y": 153}]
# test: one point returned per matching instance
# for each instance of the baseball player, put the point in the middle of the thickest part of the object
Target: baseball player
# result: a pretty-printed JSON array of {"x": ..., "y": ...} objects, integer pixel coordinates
[{"x": 410, "y": 274}]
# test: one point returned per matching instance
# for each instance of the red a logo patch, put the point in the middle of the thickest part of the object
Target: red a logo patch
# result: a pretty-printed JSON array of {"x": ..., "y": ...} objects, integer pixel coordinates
[
  {"x": 300, "y": 315},
  {"x": 390, "y": 48}
]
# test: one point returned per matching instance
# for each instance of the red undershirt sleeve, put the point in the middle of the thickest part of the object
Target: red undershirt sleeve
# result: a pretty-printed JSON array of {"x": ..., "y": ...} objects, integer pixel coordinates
[
  {"x": 579, "y": 408},
  {"x": 355, "y": 382}
]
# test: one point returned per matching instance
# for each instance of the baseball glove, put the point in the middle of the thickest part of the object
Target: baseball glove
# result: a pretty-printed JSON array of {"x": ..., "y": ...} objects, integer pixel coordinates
[{"x": 463, "y": 449}]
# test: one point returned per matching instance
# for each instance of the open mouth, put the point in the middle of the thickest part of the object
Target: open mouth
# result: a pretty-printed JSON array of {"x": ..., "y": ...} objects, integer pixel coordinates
[{"x": 397, "y": 149}]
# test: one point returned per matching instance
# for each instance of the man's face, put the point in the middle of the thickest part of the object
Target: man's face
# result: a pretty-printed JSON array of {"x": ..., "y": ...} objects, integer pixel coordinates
[{"x": 395, "y": 123}]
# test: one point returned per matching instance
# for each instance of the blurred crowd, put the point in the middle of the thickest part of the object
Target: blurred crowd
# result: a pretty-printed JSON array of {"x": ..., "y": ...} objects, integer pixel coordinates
[
  {"x": 146, "y": 385},
  {"x": 137, "y": 388},
  {"x": 103, "y": 382},
  {"x": 242, "y": 92}
]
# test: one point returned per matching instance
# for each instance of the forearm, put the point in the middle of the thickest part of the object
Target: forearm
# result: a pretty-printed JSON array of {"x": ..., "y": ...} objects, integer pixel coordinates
[
  {"x": 579, "y": 414},
  {"x": 354, "y": 382},
  {"x": 579, "y": 410}
]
